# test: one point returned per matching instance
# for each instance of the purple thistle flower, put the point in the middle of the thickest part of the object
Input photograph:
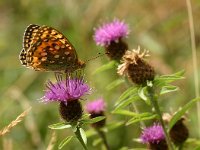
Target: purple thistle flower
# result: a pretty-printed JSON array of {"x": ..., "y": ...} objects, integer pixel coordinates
[
  {"x": 66, "y": 90},
  {"x": 153, "y": 134},
  {"x": 96, "y": 107},
  {"x": 112, "y": 31}
]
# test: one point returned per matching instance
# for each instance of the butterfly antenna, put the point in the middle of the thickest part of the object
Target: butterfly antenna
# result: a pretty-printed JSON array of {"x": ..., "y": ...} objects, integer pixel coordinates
[{"x": 99, "y": 55}]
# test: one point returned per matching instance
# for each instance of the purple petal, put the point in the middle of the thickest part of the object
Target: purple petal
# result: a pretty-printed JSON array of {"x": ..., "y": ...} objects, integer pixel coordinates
[
  {"x": 153, "y": 134},
  {"x": 110, "y": 32},
  {"x": 96, "y": 106},
  {"x": 64, "y": 91}
]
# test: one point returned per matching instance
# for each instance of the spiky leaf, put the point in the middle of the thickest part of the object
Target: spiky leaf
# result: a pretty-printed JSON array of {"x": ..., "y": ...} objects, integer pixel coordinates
[
  {"x": 83, "y": 135},
  {"x": 166, "y": 79},
  {"x": 59, "y": 126},
  {"x": 141, "y": 117},
  {"x": 114, "y": 84},
  {"x": 168, "y": 89},
  {"x": 105, "y": 67},
  {"x": 129, "y": 92},
  {"x": 182, "y": 111},
  {"x": 142, "y": 92},
  {"x": 65, "y": 142},
  {"x": 93, "y": 120},
  {"x": 126, "y": 102},
  {"x": 124, "y": 112}
]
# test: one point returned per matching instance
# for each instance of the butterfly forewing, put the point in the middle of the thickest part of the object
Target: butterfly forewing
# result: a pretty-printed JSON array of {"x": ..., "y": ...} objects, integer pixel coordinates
[{"x": 46, "y": 49}]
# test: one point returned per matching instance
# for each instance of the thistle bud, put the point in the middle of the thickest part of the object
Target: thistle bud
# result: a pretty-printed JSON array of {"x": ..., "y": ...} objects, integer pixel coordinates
[
  {"x": 95, "y": 109},
  {"x": 179, "y": 132},
  {"x": 71, "y": 111}
]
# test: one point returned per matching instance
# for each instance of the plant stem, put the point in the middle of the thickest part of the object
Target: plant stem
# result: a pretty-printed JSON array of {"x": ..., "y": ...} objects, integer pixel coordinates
[
  {"x": 194, "y": 57},
  {"x": 79, "y": 137},
  {"x": 157, "y": 109},
  {"x": 103, "y": 137},
  {"x": 180, "y": 147}
]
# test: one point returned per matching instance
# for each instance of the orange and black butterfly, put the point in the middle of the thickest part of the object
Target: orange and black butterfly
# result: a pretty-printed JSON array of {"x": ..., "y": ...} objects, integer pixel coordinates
[{"x": 46, "y": 49}]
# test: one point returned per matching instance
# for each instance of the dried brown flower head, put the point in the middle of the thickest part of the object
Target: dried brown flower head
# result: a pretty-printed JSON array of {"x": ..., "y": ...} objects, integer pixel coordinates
[{"x": 135, "y": 67}]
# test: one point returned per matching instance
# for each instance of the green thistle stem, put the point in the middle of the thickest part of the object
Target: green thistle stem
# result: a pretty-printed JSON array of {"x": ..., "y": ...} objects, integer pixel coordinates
[
  {"x": 180, "y": 147},
  {"x": 154, "y": 102},
  {"x": 79, "y": 137},
  {"x": 103, "y": 137}
]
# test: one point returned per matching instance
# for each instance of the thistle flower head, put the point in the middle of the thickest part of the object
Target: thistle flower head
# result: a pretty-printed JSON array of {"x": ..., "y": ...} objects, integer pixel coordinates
[
  {"x": 131, "y": 57},
  {"x": 112, "y": 31},
  {"x": 66, "y": 90},
  {"x": 153, "y": 134},
  {"x": 136, "y": 68},
  {"x": 96, "y": 107}
]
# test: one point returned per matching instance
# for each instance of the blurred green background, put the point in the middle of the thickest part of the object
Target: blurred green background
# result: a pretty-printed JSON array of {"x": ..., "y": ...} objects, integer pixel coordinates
[{"x": 160, "y": 26}]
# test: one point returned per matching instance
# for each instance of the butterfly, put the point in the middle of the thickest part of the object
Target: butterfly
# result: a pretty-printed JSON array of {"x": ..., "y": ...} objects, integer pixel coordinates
[{"x": 46, "y": 49}]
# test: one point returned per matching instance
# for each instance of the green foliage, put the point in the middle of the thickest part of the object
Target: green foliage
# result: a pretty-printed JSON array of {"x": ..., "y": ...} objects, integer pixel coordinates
[
  {"x": 124, "y": 112},
  {"x": 132, "y": 91},
  {"x": 132, "y": 94},
  {"x": 166, "y": 79},
  {"x": 135, "y": 117},
  {"x": 141, "y": 117},
  {"x": 152, "y": 26},
  {"x": 112, "y": 126},
  {"x": 93, "y": 120},
  {"x": 114, "y": 84},
  {"x": 97, "y": 141},
  {"x": 126, "y": 148},
  {"x": 126, "y": 102},
  {"x": 65, "y": 142},
  {"x": 168, "y": 89},
  {"x": 182, "y": 111},
  {"x": 59, "y": 126},
  {"x": 109, "y": 65},
  {"x": 142, "y": 92},
  {"x": 192, "y": 143},
  {"x": 108, "y": 127},
  {"x": 83, "y": 136}
]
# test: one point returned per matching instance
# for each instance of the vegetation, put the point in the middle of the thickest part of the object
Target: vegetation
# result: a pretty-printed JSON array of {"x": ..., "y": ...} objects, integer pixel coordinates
[{"x": 162, "y": 27}]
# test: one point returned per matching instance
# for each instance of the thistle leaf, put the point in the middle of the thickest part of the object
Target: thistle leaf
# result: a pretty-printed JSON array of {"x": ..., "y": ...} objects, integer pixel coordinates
[
  {"x": 93, "y": 120},
  {"x": 59, "y": 126},
  {"x": 64, "y": 142},
  {"x": 105, "y": 67},
  {"x": 182, "y": 111},
  {"x": 83, "y": 135},
  {"x": 141, "y": 117}
]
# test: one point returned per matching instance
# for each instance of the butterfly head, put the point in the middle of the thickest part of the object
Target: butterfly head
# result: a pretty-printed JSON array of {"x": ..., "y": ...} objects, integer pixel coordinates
[{"x": 81, "y": 64}]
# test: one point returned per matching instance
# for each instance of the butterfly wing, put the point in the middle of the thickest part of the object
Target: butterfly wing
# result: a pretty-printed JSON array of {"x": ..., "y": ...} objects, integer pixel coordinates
[{"x": 49, "y": 50}]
